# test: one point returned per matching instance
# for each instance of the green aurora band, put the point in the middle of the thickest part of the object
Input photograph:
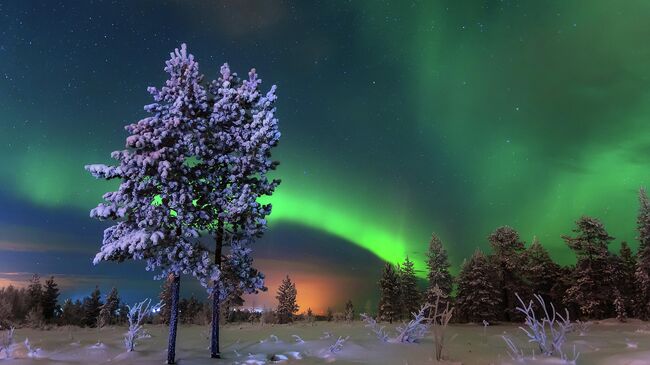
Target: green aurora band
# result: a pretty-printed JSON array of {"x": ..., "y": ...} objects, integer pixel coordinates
[{"x": 470, "y": 118}]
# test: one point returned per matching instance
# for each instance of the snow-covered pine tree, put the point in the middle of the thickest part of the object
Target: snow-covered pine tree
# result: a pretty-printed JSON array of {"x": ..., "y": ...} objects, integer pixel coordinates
[
  {"x": 410, "y": 296},
  {"x": 107, "y": 314},
  {"x": 154, "y": 206},
  {"x": 91, "y": 307},
  {"x": 642, "y": 272},
  {"x": 286, "y": 297},
  {"x": 479, "y": 296},
  {"x": 49, "y": 300},
  {"x": 349, "y": 311},
  {"x": 509, "y": 259},
  {"x": 540, "y": 271},
  {"x": 625, "y": 280},
  {"x": 34, "y": 293},
  {"x": 389, "y": 294},
  {"x": 234, "y": 160},
  {"x": 593, "y": 284},
  {"x": 438, "y": 265}
]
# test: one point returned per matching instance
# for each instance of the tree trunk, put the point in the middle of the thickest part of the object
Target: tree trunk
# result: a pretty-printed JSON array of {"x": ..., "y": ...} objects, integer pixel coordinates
[
  {"x": 216, "y": 305},
  {"x": 173, "y": 319}
]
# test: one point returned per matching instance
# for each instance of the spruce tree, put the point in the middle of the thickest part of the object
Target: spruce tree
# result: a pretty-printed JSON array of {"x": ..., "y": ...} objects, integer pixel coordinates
[
  {"x": 49, "y": 300},
  {"x": 410, "y": 296},
  {"x": 509, "y": 259},
  {"x": 479, "y": 296},
  {"x": 593, "y": 285},
  {"x": 286, "y": 297},
  {"x": 72, "y": 313},
  {"x": 156, "y": 208},
  {"x": 642, "y": 272},
  {"x": 540, "y": 271},
  {"x": 625, "y": 279},
  {"x": 438, "y": 265},
  {"x": 91, "y": 307},
  {"x": 233, "y": 149},
  {"x": 389, "y": 294},
  {"x": 108, "y": 312},
  {"x": 34, "y": 294}
]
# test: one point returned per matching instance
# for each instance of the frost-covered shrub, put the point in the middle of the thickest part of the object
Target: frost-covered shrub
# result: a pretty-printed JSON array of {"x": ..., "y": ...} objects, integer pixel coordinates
[
  {"x": 338, "y": 345},
  {"x": 136, "y": 316},
  {"x": 31, "y": 352},
  {"x": 339, "y": 317},
  {"x": 34, "y": 318},
  {"x": 268, "y": 317},
  {"x": 513, "y": 350},
  {"x": 374, "y": 327},
  {"x": 583, "y": 327},
  {"x": 549, "y": 332},
  {"x": 6, "y": 340},
  {"x": 440, "y": 319},
  {"x": 416, "y": 329}
]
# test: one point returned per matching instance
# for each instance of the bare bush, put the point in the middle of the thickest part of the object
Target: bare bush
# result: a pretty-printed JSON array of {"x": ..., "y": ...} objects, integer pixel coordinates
[
  {"x": 6, "y": 341},
  {"x": 374, "y": 327},
  {"x": 439, "y": 322},
  {"x": 549, "y": 332},
  {"x": 136, "y": 316}
]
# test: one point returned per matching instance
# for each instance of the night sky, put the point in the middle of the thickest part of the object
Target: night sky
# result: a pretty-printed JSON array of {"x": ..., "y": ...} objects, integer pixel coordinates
[{"x": 398, "y": 119}]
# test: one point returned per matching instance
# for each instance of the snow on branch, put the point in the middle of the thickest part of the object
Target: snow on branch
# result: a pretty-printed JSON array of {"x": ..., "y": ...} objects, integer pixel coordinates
[
  {"x": 374, "y": 327},
  {"x": 338, "y": 345}
]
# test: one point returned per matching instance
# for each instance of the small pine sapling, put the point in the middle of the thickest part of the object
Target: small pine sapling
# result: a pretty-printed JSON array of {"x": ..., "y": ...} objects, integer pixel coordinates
[
  {"x": 136, "y": 317},
  {"x": 309, "y": 317}
]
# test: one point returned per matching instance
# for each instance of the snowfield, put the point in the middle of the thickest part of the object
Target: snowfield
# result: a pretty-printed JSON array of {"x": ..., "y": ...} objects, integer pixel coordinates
[{"x": 607, "y": 342}]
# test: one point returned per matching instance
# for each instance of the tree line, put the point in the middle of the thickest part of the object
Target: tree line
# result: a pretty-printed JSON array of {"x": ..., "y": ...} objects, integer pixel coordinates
[
  {"x": 601, "y": 284},
  {"x": 37, "y": 305}
]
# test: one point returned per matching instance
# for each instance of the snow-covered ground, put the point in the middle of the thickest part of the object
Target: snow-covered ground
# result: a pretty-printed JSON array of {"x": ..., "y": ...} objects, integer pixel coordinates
[{"x": 607, "y": 342}]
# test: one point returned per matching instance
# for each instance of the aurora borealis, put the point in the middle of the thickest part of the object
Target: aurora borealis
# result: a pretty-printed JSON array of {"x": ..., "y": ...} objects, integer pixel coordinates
[{"x": 398, "y": 119}]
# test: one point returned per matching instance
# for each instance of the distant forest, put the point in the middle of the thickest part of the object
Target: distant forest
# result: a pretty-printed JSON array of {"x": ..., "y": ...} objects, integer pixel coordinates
[{"x": 601, "y": 284}]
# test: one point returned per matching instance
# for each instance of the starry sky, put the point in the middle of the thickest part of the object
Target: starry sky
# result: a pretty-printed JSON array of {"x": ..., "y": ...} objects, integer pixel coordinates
[{"x": 399, "y": 118}]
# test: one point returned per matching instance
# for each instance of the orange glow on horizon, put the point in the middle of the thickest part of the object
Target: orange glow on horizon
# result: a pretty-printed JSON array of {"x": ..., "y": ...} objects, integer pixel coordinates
[{"x": 315, "y": 291}]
